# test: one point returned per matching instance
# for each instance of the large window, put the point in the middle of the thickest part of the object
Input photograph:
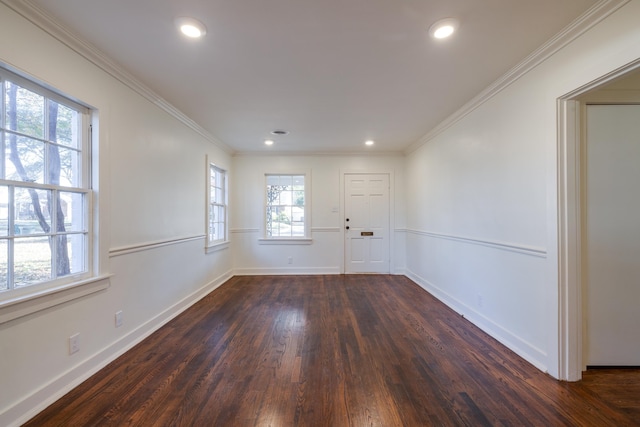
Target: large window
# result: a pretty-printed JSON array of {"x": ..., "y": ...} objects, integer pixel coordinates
[
  {"x": 44, "y": 186},
  {"x": 286, "y": 210},
  {"x": 217, "y": 206}
]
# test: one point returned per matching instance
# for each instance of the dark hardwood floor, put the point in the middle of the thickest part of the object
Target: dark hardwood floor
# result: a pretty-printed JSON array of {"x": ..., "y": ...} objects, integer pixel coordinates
[{"x": 356, "y": 350}]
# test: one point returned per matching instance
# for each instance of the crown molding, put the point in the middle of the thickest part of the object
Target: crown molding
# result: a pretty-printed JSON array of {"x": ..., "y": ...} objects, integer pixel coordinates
[
  {"x": 318, "y": 154},
  {"x": 582, "y": 24},
  {"x": 48, "y": 24}
]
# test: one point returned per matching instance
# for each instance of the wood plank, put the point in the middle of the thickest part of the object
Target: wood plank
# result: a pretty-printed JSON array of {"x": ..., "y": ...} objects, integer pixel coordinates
[{"x": 352, "y": 350}]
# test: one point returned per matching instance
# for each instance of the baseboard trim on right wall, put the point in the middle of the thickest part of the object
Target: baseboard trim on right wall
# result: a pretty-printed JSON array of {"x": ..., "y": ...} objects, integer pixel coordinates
[{"x": 521, "y": 347}]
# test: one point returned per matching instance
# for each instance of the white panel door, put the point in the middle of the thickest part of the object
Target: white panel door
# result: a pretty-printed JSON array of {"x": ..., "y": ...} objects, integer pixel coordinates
[
  {"x": 612, "y": 235},
  {"x": 366, "y": 223}
]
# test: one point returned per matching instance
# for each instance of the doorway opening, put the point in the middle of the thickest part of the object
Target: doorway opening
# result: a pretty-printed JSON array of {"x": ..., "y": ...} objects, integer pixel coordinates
[{"x": 571, "y": 208}]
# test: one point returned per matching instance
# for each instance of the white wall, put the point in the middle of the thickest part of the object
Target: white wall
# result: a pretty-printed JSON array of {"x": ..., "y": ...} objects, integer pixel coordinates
[
  {"x": 151, "y": 192},
  {"x": 325, "y": 254},
  {"x": 482, "y": 197}
]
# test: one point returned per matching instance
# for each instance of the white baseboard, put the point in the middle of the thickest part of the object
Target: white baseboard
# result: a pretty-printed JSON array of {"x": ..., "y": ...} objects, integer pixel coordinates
[
  {"x": 33, "y": 404},
  {"x": 302, "y": 271},
  {"x": 521, "y": 347}
]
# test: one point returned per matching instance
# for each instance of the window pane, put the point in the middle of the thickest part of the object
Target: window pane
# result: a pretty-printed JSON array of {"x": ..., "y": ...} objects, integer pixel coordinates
[
  {"x": 64, "y": 124},
  {"x": 31, "y": 210},
  {"x": 220, "y": 221},
  {"x": 24, "y": 159},
  {"x": 212, "y": 195},
  {"x": 4, "y": 211},
  {"x": 285, "y": 206},
  {"x": 273, "y": 195},
  {"x": 219, "y": 214},
  {"x": 4, "y": 264},
  {"x": 64, "y": 167},
  {"x": 286, "y": 181},
  {"x": 285, "y": 215},
  {"x": 285, "y": 197},
  {"x": 275, "y": 229},
  {"x": 298, "y": 182},
  {"x": 212, "y": 182},
  {"x": 211, "y": 221},
  {"x": 283, "y": 220},
  {"x": 297, "y": 229},
  {"x": 272, "y": 215},
  {"x": 273, "y": 180},
  {"x": 219, "y": 231},
  {"x": 71, "y": 212},
  {"x": 32, "y": 261},
  {"x": 73, "y": 259},
  {"x": 24, "y": 111},
  {"x": 297, "y": 214}
]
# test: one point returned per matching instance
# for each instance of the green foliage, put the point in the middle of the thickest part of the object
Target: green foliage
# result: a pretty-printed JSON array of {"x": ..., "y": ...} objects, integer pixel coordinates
[{"x": 283, "y": 218}]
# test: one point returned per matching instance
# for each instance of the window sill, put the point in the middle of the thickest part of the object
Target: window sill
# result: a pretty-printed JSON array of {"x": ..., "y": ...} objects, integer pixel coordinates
[
  {"x": 286, "y": 241},
  {"x": 215, "y": 247},
  {"x": 24, "y": 305}
]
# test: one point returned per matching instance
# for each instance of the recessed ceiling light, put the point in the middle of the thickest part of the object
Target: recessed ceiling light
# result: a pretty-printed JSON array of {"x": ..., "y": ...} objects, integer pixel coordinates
[
  {"x": 279, "y": 132},
  {"x": 190, "y": 27},
  {"x": 369, "y": 143},
  {"x": 268, "y": 142},
  {"x": 444, "y": 28}
]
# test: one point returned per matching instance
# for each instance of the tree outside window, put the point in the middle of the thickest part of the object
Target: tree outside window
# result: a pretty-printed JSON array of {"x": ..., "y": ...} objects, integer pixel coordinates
[{"x": 43, "y": 205}]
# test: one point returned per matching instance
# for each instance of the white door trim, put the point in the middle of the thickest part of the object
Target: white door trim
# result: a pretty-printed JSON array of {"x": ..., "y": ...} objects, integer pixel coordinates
[
  {"x": 392, "y": 204},
  {"x": 569, "y": 234}
]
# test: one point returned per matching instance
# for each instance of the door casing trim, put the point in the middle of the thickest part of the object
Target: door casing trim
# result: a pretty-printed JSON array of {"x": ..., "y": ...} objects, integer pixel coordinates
[{"x": 571, "y": 124}]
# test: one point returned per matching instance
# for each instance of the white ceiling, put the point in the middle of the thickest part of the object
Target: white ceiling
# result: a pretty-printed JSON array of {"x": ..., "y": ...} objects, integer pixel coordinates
[{"x": 332, "y": 72}]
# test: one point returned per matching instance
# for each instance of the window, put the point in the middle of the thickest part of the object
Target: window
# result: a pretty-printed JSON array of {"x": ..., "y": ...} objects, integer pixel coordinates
[
  {"x": 286, "y": 210},
  {"x": 217, "y": 215},
  {"x": 44, "y": 187}
]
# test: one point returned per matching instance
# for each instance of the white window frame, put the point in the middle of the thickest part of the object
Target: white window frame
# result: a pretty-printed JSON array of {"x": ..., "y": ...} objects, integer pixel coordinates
[
  {"x": 18, "y": 302},
  {"x": 213, "y": 245},
  {"x": 288, "y": 240}
]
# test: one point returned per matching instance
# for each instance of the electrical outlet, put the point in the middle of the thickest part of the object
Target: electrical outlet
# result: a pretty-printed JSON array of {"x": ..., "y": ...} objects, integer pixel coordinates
[
  {"x": 74, "y": 344},
  {"x": 119, "y": 319},
  {"x": 290, "y": 260},
  {"x": 480, "y": 301}
]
